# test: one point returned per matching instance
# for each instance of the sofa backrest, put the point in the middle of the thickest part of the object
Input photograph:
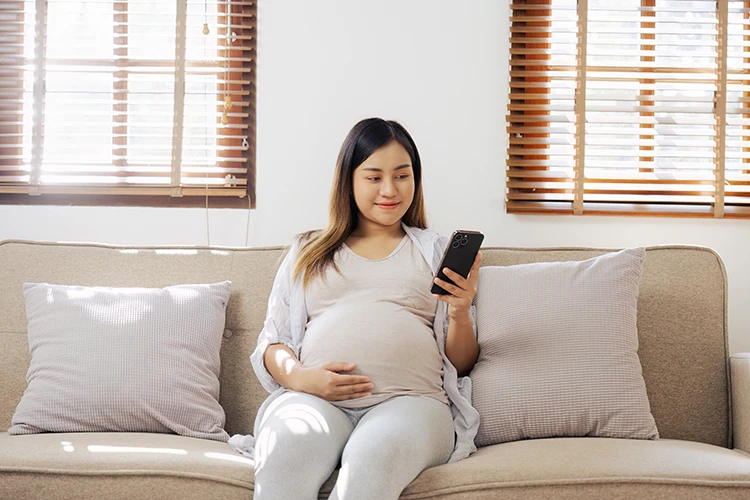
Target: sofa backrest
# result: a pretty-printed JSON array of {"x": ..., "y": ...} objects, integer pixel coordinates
[{"x": 681, "y": 319}]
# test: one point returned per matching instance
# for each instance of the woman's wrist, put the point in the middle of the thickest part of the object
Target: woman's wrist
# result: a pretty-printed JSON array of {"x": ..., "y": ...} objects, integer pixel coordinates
[
  {"x": 297, "y": 378},
  {"x": 460, "y": 316}
]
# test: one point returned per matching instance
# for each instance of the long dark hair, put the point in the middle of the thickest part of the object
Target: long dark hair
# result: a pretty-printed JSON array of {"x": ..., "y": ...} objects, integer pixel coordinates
[{"x": 367, "y": 136}]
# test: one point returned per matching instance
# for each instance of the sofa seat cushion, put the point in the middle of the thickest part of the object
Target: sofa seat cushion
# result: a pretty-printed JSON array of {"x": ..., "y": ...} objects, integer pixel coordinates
[
  {"x": 120, "y": 465},
  {"x": 589, "y": 468},
  {"x": 135, "y": 465}
]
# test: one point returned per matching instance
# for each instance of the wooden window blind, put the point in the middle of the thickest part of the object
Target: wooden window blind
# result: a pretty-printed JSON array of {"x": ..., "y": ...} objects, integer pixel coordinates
[
  {"x": 629, "y": 107},
  {"x": 128, "y": 102}
]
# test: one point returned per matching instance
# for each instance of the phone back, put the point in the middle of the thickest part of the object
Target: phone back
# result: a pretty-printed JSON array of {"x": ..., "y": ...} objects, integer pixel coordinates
[{"x": 459, "y": 255}]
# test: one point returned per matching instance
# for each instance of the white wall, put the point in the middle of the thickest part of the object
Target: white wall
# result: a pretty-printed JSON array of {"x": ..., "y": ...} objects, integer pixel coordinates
[{"x": 437, "y": 66}]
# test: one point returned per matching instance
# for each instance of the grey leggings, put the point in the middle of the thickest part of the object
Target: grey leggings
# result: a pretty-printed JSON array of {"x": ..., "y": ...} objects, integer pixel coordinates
[{"x": 381, "y": 449}]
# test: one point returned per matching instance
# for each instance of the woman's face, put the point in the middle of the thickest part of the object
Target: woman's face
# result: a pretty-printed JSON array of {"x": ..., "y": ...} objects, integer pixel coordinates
[{"x": 384, "y": 186}]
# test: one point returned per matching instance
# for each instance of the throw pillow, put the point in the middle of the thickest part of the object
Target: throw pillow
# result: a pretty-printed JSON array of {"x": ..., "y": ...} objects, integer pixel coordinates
[
  {"x": 559, "y": 351},
  {"x": 124, "y": 359}
]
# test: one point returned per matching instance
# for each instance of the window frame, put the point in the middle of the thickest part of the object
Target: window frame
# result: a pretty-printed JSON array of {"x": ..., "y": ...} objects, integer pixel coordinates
[
  {"x": 240, "y": 73},
  {"x": 530, "y": 172}
]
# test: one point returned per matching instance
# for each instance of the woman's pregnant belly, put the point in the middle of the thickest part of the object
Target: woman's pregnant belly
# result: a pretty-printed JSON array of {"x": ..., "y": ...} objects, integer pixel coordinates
[{"x": 386, "y": 343}]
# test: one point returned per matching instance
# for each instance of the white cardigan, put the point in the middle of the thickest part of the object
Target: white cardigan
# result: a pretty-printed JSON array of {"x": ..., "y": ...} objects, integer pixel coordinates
[{"x": 285, "y": 323}]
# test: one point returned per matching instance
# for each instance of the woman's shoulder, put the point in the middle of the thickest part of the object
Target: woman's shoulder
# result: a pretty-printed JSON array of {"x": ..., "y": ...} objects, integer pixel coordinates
[
  {"x": 422, "y": 233},
  {"x": 428, "y": 236},
  {"x": 307, "y": 235},
  {"x": 292, "y": 250},
  {"x": 302, "y": 239}
]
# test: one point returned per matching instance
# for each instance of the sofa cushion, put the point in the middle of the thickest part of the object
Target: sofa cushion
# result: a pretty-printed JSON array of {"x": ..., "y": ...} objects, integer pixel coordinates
[
  {"x": 578, "y": 468},
  {"x": 120, "y": 465},
  {"x": 134, "y": 465},
  {"x": 124, "y": 359},
  {"x": 559, "y": 351}
]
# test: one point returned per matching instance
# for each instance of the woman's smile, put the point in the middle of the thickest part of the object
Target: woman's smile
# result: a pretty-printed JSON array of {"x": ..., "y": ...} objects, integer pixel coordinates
[{"x": 387, "y": 206}]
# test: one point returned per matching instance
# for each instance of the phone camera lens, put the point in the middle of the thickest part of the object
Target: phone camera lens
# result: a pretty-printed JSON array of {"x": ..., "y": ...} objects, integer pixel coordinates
[
  {"x": 458, "y": 236},
  {"x": 455, "y": 244},
  {"x": 463, "y": 242}
]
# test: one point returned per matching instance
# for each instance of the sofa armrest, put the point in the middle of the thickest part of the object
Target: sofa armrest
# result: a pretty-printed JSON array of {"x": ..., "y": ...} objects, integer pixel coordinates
[{"x": 739, "y": 365}]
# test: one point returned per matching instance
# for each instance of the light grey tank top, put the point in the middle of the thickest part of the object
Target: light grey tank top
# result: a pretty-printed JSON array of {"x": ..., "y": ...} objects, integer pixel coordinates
[{"x": 377, "y": 314}]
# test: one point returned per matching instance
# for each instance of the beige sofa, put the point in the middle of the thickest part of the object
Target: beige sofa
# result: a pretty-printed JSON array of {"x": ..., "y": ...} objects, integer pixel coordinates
[{"x": 705, "y": 426}]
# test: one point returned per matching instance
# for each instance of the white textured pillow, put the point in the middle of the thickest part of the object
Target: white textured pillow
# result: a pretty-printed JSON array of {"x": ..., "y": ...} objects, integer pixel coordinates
[
  {"x": 559, "y": 351},
  {"x": 124, "y": 359}
]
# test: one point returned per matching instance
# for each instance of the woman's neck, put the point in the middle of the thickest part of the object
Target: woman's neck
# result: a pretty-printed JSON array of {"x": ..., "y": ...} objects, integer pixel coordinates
[
  {"x": 368, "y": 230},
  {"x": 375, "y": 243}
]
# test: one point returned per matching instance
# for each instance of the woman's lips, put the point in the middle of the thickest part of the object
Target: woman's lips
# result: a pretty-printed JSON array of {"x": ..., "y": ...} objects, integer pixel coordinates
[{"x": 387, "y": 206}]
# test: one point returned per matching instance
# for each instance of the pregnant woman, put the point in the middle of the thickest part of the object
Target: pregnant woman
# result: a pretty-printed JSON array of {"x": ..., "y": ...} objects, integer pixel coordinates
[{"x": 366, "y": 368}]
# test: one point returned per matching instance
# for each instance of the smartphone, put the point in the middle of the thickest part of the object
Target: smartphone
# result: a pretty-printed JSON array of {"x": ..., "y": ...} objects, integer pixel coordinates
[{"x": 459, "y": 256}]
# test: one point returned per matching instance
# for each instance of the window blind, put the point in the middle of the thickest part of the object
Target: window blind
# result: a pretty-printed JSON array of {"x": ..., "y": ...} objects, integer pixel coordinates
[
  {"x": 629, "y": 107},
  {"x": 134, "y": 99}
]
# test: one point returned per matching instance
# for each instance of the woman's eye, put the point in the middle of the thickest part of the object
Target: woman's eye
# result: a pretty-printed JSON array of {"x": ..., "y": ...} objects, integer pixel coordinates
[
  {"x": 373, "y": 179},
  {"x": 405, "y": 176}
]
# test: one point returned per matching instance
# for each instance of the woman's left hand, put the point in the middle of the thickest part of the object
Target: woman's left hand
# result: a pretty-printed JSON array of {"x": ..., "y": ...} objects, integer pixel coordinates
[{"x": 462, "y": 293}]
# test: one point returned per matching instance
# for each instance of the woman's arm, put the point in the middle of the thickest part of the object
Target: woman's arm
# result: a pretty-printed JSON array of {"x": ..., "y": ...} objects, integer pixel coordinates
[
  {"x": 461, "y": 345},
  {"x": 277, "y": 326},
  {"x": 283, "y": 365}
]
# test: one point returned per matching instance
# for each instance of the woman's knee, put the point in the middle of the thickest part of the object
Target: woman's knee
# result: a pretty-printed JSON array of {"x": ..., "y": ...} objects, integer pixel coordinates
[{"x": 299, "y": 427}]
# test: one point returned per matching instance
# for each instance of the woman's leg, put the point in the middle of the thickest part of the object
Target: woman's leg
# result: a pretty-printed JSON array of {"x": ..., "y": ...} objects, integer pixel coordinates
[
  {"x": 391, "y": 445},
  {"x": 298, "y": 445}
]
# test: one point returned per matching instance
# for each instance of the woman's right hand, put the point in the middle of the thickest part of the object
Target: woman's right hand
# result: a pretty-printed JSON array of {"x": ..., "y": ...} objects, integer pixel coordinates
[{"x": 328, "y": 383}]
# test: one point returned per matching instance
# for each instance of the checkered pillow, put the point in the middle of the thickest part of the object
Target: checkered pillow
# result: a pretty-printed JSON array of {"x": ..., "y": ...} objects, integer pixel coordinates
[
  {"x": 124, "y": 359},
  {"x": 559, "y": 351}
]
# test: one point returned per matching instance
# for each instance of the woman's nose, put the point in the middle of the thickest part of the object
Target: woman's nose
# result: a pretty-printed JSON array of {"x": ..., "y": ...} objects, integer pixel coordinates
[{"x": 388, "y": 188}]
